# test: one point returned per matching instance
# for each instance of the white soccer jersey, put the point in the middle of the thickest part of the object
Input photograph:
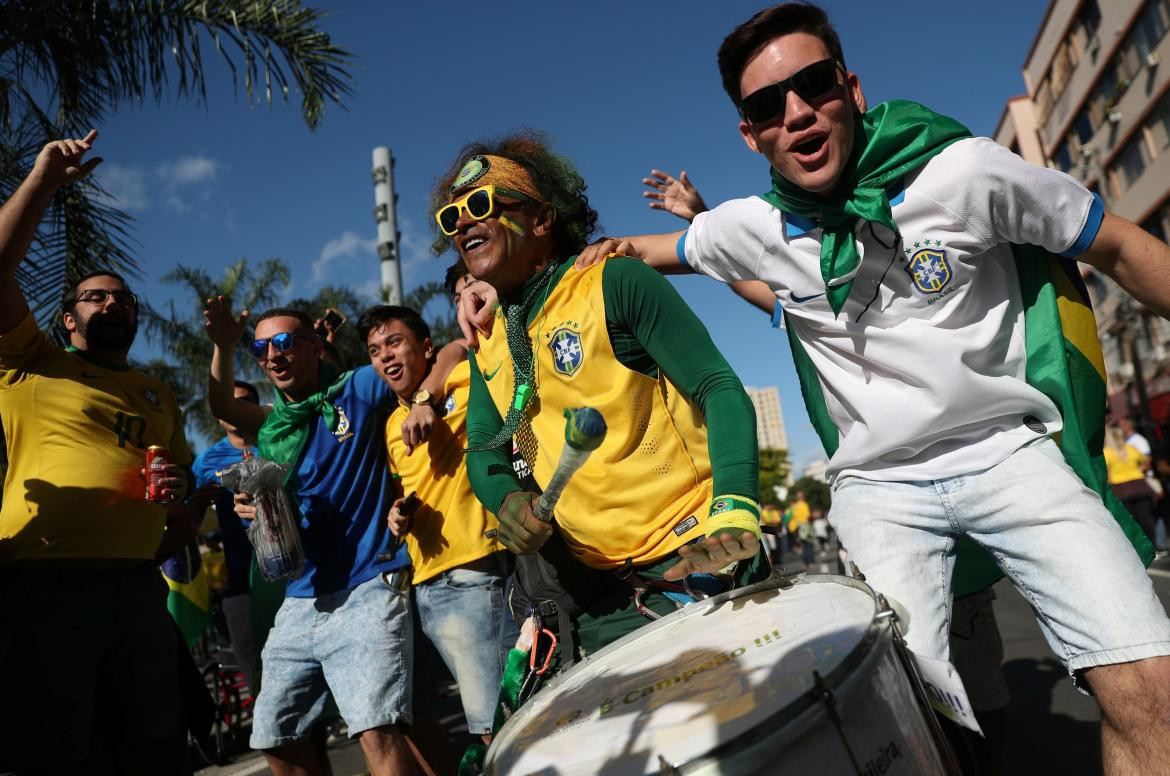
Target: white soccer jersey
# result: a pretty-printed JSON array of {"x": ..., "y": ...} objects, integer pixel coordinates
[{"x": 923, "y": 370}]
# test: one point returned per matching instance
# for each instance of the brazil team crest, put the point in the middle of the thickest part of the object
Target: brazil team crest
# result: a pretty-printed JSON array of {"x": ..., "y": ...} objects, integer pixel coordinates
[
  {"x": 929, "y": 269},
  {"x": 565, "y": 345}
]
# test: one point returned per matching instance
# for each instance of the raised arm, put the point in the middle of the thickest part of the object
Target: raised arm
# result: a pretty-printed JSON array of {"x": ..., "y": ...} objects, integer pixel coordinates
[
  {"x": 58, "y": 163},
  {"x": 225, "y": 330},
  {"x": 1137, "y": 261}
]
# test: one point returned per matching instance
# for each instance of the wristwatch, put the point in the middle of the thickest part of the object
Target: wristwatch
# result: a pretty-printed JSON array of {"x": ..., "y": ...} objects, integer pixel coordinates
[{"x": 423, "y": 396}]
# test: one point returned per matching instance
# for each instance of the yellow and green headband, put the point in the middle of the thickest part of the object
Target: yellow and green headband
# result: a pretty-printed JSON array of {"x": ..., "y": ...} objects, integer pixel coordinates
[{"x": 498, "y": 170}]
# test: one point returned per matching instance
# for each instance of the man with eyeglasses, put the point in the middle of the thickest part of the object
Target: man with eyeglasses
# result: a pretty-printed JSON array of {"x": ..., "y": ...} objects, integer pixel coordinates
[
  {"x": 86, "y": 637},
  {"x": 982, "y": 341},
  {"x": 672, "y": 490}
]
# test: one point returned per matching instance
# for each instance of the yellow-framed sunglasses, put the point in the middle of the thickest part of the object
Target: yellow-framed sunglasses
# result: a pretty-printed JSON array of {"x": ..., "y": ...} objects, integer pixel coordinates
[{"x": 479, "y": 204}]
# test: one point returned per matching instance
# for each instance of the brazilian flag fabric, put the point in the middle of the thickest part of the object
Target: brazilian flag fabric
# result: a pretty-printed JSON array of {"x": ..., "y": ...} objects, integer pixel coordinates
[{"x": 189, "y": 599}]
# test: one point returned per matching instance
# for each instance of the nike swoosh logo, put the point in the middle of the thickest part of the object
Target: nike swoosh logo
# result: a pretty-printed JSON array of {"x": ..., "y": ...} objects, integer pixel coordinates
[
  {"x": 487, "y": 376},
  {"x": 802, "y": 299}
]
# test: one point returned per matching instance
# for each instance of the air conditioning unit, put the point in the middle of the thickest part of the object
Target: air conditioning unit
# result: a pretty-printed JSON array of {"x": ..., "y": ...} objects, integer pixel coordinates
[
  {"x": 1114, "y": 116},
  {"x": 1152, "y": 59}
]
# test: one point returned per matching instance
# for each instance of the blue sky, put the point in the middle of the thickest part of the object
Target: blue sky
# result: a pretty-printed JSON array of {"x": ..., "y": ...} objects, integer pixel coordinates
[{"x": 619, "y": 87}]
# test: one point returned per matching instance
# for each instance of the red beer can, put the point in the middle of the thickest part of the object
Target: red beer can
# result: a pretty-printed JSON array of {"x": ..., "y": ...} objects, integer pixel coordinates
[{"x": 157, "y": 460}]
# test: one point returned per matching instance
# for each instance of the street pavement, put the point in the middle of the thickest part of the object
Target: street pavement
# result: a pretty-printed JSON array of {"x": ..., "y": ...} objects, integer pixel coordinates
[{"x": 1051, "y": 726}]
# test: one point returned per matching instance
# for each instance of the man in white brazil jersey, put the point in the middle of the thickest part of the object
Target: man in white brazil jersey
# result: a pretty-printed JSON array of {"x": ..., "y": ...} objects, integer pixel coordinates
[{"x": 942, "y": 343}]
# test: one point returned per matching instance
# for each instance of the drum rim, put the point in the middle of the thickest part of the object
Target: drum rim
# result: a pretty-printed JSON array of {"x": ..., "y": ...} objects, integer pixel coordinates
[{"x": 768, "y": 725}]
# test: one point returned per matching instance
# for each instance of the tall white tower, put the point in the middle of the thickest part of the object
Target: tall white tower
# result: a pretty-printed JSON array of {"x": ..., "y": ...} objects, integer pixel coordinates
[{"x": 385, "y": 201}]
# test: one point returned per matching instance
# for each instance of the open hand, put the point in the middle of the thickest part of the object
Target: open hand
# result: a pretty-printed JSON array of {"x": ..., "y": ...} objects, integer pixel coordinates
[
  {"x": 603, "y": 249},
  {"x": 714, "y": 553},
  {"x": 674, "y": 195},
  {"x": 224, "y": 328}
]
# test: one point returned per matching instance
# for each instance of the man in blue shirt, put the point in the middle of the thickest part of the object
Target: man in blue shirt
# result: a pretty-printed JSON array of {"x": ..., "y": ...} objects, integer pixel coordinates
[{"x": 340, "y": 630}]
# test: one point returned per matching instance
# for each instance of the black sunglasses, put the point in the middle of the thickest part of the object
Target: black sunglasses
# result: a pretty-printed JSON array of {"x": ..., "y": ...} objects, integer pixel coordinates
[
  {"x": 282, "y": 343},
  {"x": 810, "y": 83}
]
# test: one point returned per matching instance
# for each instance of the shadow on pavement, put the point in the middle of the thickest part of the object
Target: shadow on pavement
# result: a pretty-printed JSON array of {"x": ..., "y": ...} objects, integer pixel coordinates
[{"x": 1039, "y": 739}]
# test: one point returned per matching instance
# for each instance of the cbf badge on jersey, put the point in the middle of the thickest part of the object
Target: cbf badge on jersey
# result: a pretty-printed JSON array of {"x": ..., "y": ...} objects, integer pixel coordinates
[
  {"x": 928, "y": 267},
  {"x": 565, "y": 345}
]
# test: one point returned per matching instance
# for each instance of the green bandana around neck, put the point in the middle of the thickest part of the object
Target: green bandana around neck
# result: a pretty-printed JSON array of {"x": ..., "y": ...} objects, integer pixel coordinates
[
  {"x": 285, "y": 431},
  {"x": 891, "y": 139}
]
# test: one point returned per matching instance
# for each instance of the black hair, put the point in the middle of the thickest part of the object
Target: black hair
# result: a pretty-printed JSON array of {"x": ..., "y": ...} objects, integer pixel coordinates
[
  {"x": 69, "y": 300},
  {"x": 379, "y": 315},
  {"x": 306, "y": 323},
  {"x": 555, "y": 177},
  {"x": 251, "y": 389},
  {"x": 454, "y": 272},
  {"x": 746, "y": 40}
]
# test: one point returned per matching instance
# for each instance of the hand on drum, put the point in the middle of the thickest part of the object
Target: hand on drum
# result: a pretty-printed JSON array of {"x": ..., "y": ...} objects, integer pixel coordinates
[
  {"x": 521, "y": 531},
  {"x": 713, "y": 553}
]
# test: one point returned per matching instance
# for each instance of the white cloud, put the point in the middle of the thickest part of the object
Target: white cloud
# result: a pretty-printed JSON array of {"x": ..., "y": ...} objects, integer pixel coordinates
[
  {"x": 177, "y": 183},
  {"x": 126, "y": 187},
  {"x": 188, "y": 170},
  {"x": 348, "y": 248}
]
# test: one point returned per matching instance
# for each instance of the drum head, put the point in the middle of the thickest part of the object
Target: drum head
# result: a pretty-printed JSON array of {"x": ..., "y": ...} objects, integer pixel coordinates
[{"x": 682, "y": 686}]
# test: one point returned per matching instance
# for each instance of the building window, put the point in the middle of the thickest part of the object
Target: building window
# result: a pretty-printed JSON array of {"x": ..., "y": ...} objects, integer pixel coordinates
[
  {"x": 1130, "y": 164},
  {"x": 1062, "y": 158}
]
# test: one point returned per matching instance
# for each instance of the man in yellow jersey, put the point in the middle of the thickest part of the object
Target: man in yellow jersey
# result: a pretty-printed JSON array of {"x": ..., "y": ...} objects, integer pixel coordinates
[
  {"x": 661, "y": 498},
  {"x": 458, "y": 573},
  {"x": 87, "y": 649}
]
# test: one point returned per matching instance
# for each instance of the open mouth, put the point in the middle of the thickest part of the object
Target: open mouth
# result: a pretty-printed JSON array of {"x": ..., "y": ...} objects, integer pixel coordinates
[
  {"x": 394, "y": 371},
  {"x": 811, "y": 147},
  {"x": 472, "y": 243}
]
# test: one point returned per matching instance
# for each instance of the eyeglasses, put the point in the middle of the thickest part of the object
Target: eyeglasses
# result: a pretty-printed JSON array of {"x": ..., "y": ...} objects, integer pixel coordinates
[
  {"x": 479, "y": 204},
  {"x": 100, "y": 295},
  {"x": 282, "y": 343},
  {"x": 810, "y": 83}
]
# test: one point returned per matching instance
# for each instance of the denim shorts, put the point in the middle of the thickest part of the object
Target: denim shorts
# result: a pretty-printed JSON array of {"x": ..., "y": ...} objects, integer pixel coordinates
[
  {"x": 356, "y": 644},
  {"x": 1051, "y": 536},
  {"x": 462, "y": 613}
]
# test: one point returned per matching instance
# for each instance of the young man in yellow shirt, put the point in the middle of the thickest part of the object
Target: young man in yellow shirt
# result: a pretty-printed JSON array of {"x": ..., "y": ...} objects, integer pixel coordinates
[{"x": 458, "y": 573}]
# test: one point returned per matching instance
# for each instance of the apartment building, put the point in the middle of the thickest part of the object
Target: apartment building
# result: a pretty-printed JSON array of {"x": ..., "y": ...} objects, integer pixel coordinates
[
  {"x": 769, "y": 421},
  {"x": 1098, "y": 107}
]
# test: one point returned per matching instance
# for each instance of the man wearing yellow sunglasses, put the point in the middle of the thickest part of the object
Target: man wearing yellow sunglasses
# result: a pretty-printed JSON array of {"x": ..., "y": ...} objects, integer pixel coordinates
[{"x": 673, "y": 489}]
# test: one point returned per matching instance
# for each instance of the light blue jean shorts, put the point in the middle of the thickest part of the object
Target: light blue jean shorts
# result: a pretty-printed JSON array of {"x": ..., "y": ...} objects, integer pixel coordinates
[
  {"x": 1050, "y": 535},
  {"x": 356, "y": 644},
  {"x": 462, "y": 612}
]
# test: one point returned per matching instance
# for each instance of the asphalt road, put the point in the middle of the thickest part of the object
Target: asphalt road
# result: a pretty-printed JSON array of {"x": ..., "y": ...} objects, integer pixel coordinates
[{"x": 1051, "y": 726}]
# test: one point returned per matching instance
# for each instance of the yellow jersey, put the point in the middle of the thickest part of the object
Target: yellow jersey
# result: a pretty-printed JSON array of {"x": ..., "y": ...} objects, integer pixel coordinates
[
  {"x": 76, "y": 436},
  {"x": 449, "y": 525},
  {"x": 647, "y": 490}
]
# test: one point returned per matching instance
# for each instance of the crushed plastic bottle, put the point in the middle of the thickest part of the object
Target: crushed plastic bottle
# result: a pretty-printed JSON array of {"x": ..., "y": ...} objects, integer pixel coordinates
[{"x": 274, "y": 533}]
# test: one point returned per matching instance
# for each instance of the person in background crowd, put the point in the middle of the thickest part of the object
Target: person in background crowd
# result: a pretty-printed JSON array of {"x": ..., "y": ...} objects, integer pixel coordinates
[
  {"x": 1127, "y": 468},
  {"x": 237, "y": 595}
]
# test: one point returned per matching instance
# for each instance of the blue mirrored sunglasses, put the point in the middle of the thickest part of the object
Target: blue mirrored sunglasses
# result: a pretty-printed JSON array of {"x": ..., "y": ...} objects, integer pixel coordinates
[{"x": 282, "y": 343}]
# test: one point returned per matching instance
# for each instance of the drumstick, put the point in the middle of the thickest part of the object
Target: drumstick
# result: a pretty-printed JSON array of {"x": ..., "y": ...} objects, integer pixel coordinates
[{"x": 584, "y": 432}]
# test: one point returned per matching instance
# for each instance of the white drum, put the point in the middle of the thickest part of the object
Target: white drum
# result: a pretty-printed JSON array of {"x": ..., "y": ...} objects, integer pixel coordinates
[{"x": 790, "y": 676}]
